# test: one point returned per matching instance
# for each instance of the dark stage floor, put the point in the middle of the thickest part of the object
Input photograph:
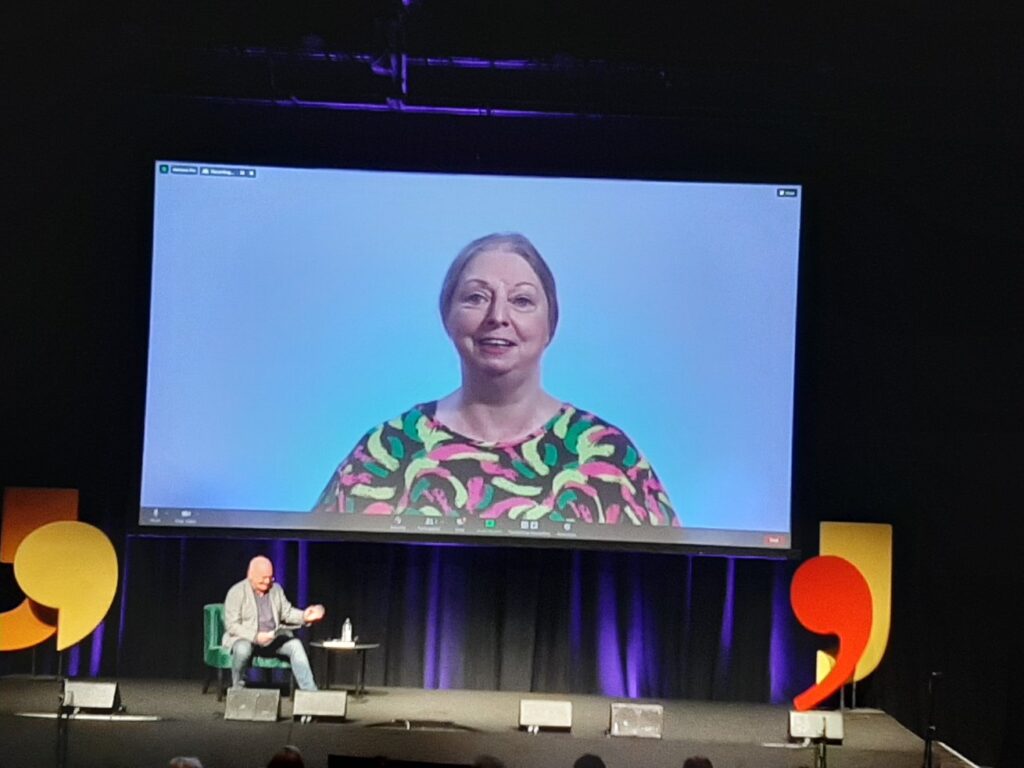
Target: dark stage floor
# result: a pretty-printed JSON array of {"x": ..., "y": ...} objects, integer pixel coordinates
[{"x": 191, "y": 723}]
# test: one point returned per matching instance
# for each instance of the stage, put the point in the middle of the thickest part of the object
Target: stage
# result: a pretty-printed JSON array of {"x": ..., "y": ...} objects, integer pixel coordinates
[{"x": 162, "y": 718}]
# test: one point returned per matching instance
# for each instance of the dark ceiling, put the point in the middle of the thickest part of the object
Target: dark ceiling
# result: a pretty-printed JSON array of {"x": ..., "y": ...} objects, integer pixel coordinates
[{"x": 660, "y": 58}]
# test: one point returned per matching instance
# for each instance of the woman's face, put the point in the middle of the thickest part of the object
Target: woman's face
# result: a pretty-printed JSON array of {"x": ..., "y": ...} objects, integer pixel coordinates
[{"x": 498, "y": 318}]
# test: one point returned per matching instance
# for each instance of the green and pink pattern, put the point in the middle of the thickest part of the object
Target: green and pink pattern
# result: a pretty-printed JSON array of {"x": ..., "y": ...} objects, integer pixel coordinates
[{"x": 575, "y": 468}]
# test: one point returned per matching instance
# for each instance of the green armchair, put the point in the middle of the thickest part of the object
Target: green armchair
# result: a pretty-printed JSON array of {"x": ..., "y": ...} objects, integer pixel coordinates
[{"x": 218, "y": 658}]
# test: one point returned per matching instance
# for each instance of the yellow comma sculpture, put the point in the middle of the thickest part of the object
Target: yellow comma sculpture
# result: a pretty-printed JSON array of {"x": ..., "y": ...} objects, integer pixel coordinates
[
  {"x": 869, "y": 547},
  {"x": 67, "y": 569}
]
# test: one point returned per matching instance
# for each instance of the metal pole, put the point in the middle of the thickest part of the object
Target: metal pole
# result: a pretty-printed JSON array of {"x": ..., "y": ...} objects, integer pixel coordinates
[{"x": 930, "y": 729}]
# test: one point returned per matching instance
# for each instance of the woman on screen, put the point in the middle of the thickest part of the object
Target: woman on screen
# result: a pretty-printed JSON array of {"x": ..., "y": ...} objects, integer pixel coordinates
[{"x": 499, "y": 446}]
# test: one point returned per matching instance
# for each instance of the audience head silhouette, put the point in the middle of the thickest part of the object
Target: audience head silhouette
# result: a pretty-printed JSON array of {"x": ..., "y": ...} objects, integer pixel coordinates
[
  {"x": 287, "y": 757},
  {"x": 488, "y": 761},
  {"x": 697, "y": 761},
  {"x": 588, "y": 761}
]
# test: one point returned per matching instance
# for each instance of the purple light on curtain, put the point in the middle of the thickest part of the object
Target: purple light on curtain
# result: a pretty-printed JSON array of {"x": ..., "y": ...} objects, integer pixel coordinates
[
  {"x": 779, "y": 670},
  {"x": 433, "y": 629},
  {"x": 450, "y": 634},
  {"x": 609, "y": 656},
  {"x": 443, "y": 660},
  {"x": 302, "y": 589},
  {"x": 96, "y": 654},
  {"x": 687, "y": 610},
  {"x": 74, "y": 661},
  {"x": 279, "y": 556},
  {"x": 123, "y": 611},
  {"x": 728, "y": 612},
  {"x": 635, "y": 644}
]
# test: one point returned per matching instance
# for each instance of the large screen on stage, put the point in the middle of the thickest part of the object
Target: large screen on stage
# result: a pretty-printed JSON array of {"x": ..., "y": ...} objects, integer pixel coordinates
[{"x": 300, "y": 372}]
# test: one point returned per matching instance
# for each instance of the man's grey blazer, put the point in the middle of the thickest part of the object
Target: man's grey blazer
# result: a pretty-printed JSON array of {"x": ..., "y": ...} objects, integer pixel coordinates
[{"x": 241, "y": 617}]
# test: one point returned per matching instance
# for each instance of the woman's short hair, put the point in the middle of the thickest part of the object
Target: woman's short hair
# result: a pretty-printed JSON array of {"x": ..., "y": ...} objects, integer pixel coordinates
[{"x": 502, "y": 241}]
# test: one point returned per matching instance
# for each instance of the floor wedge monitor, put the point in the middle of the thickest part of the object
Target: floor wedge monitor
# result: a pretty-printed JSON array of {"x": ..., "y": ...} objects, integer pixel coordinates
[
  {"x": 262, "y": 704},
  {"x": 91, "y": 696},
  {"x": 641, "y": 720},
  {"x": 319, "y": 705},
  {"x": 821, "y": 726},
  {"x": 545, "y": 715}
]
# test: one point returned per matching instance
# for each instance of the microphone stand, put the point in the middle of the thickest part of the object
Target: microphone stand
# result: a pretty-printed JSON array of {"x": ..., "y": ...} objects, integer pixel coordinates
[
  {"x": 64, "y": 709},
  {"x": 930, "y": 730}
]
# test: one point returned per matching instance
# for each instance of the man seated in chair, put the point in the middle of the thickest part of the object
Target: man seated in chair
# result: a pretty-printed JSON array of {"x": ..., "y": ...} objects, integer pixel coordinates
[{"x": 258, "y": 619}]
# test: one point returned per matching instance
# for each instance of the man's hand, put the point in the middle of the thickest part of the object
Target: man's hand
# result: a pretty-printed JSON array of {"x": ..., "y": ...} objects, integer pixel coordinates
[
  {"x": 264, "y": 638},
  {"x": 313, "y": 613}
]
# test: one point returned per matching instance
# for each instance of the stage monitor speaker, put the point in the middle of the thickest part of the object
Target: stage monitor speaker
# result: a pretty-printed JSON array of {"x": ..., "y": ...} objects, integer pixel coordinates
[
  {"x": 320, "y": 705},
  {"x": 819, "y": 725},
  {"x": 263, "y": 704},
  {"x": 641, "y": 720},
  {"x": 545, "y": 715},
  {"x": 91, "y": 696}
]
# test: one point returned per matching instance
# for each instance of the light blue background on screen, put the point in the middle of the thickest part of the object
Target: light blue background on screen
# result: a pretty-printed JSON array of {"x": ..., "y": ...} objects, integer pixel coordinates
[{"x": 293, "y": 311}]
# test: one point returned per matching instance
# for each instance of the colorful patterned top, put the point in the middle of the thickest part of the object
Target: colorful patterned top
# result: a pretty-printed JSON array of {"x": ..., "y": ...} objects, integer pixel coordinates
[{"x": 576, "y": 467}]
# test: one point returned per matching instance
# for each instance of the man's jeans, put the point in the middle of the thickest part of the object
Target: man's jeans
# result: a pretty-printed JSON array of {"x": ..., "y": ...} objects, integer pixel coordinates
[{"x": 290, "y": 648}]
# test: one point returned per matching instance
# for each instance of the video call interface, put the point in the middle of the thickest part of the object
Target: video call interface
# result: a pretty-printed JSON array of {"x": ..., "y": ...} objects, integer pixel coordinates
[{"x": 293, "y": 310}]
